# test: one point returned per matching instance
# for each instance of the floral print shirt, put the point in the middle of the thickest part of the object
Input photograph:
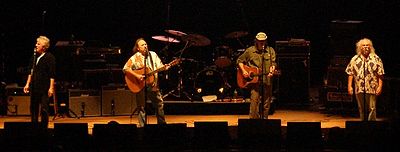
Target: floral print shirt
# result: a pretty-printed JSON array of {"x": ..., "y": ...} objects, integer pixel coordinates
[{"x": 368, "y": 74}]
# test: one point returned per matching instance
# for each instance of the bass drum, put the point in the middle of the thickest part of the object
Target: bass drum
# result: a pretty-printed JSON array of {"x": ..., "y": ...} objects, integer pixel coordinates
[{"x": 208, "y": 82}]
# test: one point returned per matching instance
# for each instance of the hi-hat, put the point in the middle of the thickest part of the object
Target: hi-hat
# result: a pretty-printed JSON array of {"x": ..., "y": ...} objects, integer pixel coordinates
[
  {"x": 236, "y": 34},
  {"x": 165, "y": 39},
  {"x": 175, "y": 32},
  {"x": 196, "y": 40}
]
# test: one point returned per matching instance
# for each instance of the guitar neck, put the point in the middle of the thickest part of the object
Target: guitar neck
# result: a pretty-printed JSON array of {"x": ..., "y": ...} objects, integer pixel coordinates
[
  {"x": 155, "y": 71},
  {"x": 174, "y": 62}
]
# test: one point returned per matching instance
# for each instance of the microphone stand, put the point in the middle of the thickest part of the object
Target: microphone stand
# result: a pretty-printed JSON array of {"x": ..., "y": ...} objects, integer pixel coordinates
[
  {"x": 262, "y": 84},
  {"x": 145, "y": 85},
  {"x": 138, "y": 108},
  {"x": 34, "y": 60},
  {"x": 33, "y": 67},
  {"x": 365, "y": 118}
]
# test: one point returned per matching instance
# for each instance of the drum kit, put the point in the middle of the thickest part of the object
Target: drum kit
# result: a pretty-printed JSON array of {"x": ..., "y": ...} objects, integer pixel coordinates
[{"x": 213, "y": 79}]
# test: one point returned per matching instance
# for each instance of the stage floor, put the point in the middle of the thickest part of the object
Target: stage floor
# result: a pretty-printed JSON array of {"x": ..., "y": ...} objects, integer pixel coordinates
[{"x": 327, "y": 120}]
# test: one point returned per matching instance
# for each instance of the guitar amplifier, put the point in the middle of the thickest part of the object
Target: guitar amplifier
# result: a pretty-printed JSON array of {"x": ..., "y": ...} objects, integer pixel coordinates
[
  {"x": 18, "y": 101},
  {"x": 292, "y": 86},
  {"x": 84, "y": 102},
  {"x": 117, "y": 100}
]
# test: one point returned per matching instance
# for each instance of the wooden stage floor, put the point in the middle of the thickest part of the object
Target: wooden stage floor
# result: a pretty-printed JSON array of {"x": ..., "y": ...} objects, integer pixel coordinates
[{"x": 327, "y": 120}]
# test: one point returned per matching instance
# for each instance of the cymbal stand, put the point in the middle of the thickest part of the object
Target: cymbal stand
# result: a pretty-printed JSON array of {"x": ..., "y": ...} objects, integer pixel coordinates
[
  {"x": 178, "y": 91},
  {"x": 240, "y": 42}
]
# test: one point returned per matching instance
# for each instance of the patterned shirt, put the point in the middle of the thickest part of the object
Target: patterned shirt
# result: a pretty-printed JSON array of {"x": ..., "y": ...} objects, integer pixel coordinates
[
  {"x": 153, "y": 62},
  {"x": 373, "y": 69}
]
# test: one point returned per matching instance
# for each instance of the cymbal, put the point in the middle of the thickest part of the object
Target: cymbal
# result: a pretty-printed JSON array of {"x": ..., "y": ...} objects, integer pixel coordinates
[
  {"x": 165, "y": 39},
  {"x": 196, "y": 40},
  {"x": 175, "y": 32},
  {"x": 236, "y": 34}
]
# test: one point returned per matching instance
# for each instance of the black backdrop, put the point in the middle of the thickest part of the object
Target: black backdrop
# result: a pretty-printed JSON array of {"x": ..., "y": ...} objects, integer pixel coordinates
[{"x": 120, "y": 22}]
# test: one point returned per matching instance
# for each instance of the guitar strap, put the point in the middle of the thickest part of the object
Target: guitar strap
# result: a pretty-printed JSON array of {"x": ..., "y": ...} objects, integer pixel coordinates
[
  {"x": 151, "y": 61},
  {"x": 152, "y": 66}
]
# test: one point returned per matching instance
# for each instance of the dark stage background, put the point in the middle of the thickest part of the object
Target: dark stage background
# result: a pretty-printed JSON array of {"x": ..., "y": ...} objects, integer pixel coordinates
[{"x": 117, "y": 23}]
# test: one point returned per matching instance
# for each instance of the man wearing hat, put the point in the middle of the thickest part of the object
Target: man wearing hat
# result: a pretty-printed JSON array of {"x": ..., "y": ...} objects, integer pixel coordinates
[{"x": 255, "y": 61}]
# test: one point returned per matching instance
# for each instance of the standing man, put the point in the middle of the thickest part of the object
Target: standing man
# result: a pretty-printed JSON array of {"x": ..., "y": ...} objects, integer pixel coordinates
[
  {"x": 262, "y": 57},
  {"x": 143, "y": 58},
  {"x": 366, "y": 69},
  {"x": 40, "y": 82}
]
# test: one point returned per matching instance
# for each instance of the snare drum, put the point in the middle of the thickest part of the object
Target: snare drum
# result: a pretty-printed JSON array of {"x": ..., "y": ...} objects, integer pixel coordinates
[
  {"x": 208, "y": 82},
  {"x": 223, "y": 56}
]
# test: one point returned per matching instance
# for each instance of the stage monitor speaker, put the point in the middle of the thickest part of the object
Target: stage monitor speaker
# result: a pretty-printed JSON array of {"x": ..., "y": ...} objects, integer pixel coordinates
[
  {"x": 18, "y": 129},
  {"x": 335, "y": 138},
  {"x": 304, "y": 135},
  {"x": 72, "y": 136},
  {"x": 110, "y": 137},
  {"x": 367, "y": 135},
  {"x": 211, "y": 134},
  {"x": 117, "y": 100},
  {"x": 293, "y": 84},
  {"x": 18, "y": 136},
  {"x": 172, "y": 135},
  {"x": 262, "y": 133},
  {"x": 84, "y": 102}
]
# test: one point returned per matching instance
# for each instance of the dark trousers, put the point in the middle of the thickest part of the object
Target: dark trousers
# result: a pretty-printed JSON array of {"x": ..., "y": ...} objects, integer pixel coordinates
[
  {"x": 40, "y": 103},
  {"x": 157, "y": 102},
  {"x": 255, "y": 101}
]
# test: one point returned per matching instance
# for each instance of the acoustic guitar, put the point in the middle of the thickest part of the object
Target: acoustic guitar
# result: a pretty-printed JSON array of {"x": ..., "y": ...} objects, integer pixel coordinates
[
  {"x": 135, "y": 85},
  {"x": 254, "y": 74}
]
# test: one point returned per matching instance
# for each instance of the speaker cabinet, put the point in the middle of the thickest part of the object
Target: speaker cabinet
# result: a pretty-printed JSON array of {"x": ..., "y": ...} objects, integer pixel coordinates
[
  {"x": 117, "y": 100},
  {"x": 18, "y": 103},
  {"x": 72, "y": 136},
  {"x": 367, "y": 135},
  {"x": 84, "y": 102},
  {"x": 344, "y": 34},
  {"x": 337, "y": 77},
  {"x": 172, "y": 135},
  {"x": 108, "y": 137},
  {"x": 211, "y": 134},
  {"x": 293, "y": 83},
  {"x": 304, "y": 135},
  {"x": 24, "y": 136},
  {"x": 262, "y": 133}
]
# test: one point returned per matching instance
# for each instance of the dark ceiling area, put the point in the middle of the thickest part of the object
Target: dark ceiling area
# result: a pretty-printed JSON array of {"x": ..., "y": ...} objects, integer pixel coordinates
[{"x": 120, "y": 22}]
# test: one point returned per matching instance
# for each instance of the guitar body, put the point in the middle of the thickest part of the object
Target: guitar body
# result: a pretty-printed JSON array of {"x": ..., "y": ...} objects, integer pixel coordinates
[
  {"x": 253, "y": 78},
  {"x": 134, "y": 84}
]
